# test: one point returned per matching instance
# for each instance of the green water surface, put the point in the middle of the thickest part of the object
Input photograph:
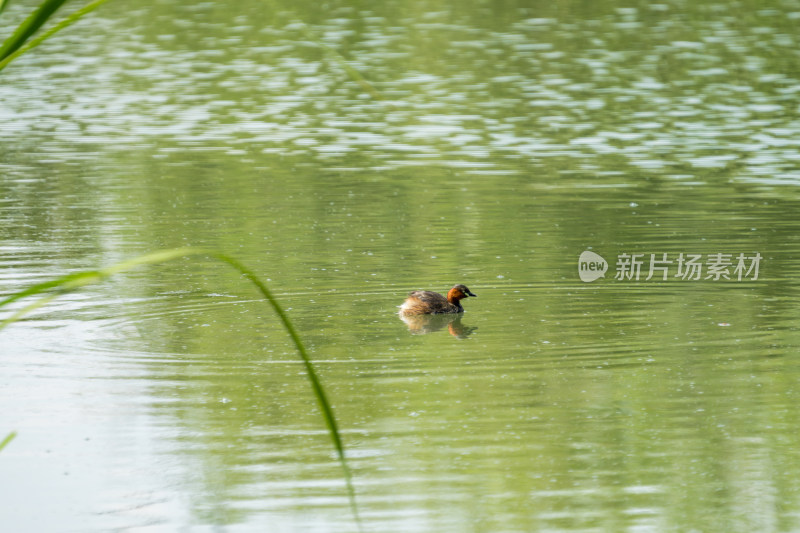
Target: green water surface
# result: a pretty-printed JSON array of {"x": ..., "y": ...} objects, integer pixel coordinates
[{"x": 498, "y": 141}]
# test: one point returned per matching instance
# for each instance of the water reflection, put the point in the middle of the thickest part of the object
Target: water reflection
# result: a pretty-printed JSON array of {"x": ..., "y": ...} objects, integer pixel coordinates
[{"x": 423, "y": 324}]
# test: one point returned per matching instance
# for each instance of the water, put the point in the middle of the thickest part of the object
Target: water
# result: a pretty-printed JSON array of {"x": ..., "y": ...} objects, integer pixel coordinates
[{"x": 507, "y": 140}]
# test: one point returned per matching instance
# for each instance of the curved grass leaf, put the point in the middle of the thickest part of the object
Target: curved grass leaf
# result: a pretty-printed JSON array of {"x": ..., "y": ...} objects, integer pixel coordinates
[
  {"x": 13, "y": 46},
  {"x": 50, "y": 290},
  {"x": 310, "y": 372},
  {"x": 29, "y": 26}
]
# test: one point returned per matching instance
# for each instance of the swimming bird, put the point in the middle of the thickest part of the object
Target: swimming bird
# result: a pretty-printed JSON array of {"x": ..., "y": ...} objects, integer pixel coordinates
[{"x": 433, "y": 303}]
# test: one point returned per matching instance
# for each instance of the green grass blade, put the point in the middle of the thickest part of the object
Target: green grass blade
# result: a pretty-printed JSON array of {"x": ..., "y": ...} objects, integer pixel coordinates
[
  {"x": 43, "y": 287},
  {"x": 50, "y": 290},
  {"x": 76, "y": 280},
  {"x": 311, "y": 373},
  {"x": 327, "y": 412},
  {"x": 8, "y": 439},
  {"x": 153, "y": 258},
  {"x": 5, "y": 59},
  {"x": 29, "y": 26},
  {"x": 41, "y": 302},
  {"x": 3, "y": 4}
]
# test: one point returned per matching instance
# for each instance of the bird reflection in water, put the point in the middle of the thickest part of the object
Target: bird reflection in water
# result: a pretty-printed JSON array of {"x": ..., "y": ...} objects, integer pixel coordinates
[{"x": 422, "y": 324}]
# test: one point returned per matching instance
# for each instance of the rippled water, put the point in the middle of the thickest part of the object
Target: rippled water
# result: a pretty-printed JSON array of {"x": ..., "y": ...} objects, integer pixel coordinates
[
  {"x": 668, "y": 89},
  {"x": 492, "y": 146}
]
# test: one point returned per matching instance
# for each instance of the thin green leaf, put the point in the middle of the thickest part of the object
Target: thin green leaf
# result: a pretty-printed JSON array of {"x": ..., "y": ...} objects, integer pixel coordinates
[
  {"x": 50, "y": 290},
  {"x": 8, "y": 439},
  {"x": 46, "y": 286},
  {"x": 311, "y": 373},
  {"x": 3, "y": 4},
  {"x": 68, "y": 21},
  {"x": 79, "y": 279},
  {"x": 162, "y": 256},
  {"x": 327, "y": 412},
  {"x": 29, "y": 26},
  {"x": 30, "y": 308}
]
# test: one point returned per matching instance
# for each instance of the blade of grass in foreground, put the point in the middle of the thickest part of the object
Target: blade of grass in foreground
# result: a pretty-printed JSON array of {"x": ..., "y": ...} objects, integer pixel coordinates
[
  {"x": 13, "y": 46},
  {"x": 8, "y": 439},
  {"x": 29, "y": 26},
  {"x": 50, "y": 290}
]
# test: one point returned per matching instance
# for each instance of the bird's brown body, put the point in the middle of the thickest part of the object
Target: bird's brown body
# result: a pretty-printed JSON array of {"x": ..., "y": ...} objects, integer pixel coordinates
[{"x": 433, "y": 303}]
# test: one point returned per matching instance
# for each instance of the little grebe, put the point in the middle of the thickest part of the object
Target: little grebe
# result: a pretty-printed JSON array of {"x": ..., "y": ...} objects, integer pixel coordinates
[{"x": 433, "y": 303}]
